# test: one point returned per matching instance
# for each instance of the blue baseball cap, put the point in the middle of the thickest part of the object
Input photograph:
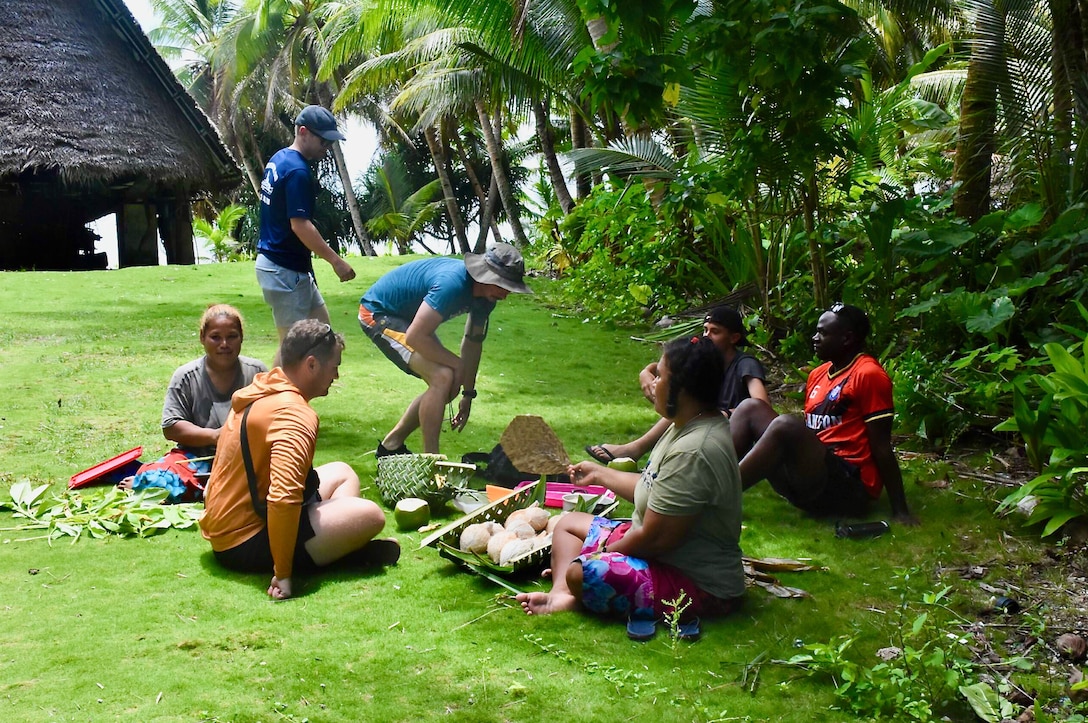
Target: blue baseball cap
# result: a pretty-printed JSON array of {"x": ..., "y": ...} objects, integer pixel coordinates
[{"x": 320, "y": 122}]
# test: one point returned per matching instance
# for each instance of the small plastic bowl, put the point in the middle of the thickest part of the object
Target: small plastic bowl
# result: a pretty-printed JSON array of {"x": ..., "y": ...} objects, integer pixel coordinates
[{"x": 579, "y": 499}]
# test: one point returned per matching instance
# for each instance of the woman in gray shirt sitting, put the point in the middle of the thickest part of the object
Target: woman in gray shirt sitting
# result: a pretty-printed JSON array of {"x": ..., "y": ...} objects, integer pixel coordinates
[{"x": 196, "y": 406}]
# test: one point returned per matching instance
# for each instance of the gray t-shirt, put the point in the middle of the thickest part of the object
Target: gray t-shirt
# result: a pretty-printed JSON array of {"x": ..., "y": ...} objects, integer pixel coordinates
[
  {"x": 191, "y": 396},
  {"x": 693, "y": 471},
  {"x": 735, "y": 384}
]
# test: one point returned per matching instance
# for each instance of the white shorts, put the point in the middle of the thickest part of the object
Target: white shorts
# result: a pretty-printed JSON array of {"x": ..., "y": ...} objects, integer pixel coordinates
[{"x": 293, "y": 295}]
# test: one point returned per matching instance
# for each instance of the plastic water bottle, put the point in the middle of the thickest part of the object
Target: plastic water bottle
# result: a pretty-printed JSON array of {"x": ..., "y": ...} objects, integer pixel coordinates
[{"x": 861, "y": 529}]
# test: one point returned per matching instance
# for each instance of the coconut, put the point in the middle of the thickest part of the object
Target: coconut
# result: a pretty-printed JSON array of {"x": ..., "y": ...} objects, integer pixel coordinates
[
  {"x": 552, "y": 522},
  {"x": 537, "y": 517},
  {"x": 411, "y": 513},
  {"x": 623, "y": 464},
  {"x": 493, "y": 527},
  {"x": 474, "y": 538},
  {"x": 495, "y": 545},
  {"x": 515, "y": 549},
  {"x": 521, "y": 529}
]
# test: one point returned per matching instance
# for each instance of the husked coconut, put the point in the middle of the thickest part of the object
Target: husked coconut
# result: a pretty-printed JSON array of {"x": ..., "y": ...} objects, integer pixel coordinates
[
  {"x": 537, "y": 517},
  {"x": 521, "y": 529},
  {"x": 553, "y": 521},
  {"x": 542, "y": 540},
  {"x": 498, "y": 540},
  {"x": 515, "y": 549},
  {"x": 474, "y": 538},
  {"x": 493, "y": 527},
  {"x": 515, "y": 516}
]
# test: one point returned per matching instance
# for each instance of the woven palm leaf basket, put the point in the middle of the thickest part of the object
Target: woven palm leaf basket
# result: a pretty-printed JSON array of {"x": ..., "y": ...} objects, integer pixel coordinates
[
  {"x": 447, "y": 538},
  {"x": 427, "y": 476}
]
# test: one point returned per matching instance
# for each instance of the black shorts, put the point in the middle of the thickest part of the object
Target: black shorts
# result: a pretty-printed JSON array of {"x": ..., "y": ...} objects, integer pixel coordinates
[
  {"x": 843, "y": 493},
  {"x": 255, "y": 554}
]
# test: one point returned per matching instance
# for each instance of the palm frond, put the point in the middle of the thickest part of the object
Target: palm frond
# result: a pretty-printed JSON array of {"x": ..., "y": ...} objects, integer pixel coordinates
[{"x": 642, "y": 157}]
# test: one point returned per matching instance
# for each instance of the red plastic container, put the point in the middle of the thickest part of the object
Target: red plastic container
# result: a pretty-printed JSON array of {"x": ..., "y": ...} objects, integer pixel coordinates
[{"x": 103, "y": 472}]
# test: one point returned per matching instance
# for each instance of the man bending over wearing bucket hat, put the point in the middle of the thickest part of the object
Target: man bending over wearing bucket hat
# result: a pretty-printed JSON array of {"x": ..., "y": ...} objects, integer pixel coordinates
[
  {"x": 401, "y": 313},
  {"x": 285, "y": 271}
]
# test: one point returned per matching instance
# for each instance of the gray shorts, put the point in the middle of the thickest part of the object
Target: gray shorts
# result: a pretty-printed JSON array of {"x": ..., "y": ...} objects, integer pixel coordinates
[{"x": 293, "y": 295}]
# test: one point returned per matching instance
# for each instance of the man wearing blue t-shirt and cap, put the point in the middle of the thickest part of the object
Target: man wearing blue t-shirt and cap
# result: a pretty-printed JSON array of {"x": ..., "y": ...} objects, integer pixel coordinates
[
  {"x": 288, "y": 236},
  {"x": 401, "y": 313}
]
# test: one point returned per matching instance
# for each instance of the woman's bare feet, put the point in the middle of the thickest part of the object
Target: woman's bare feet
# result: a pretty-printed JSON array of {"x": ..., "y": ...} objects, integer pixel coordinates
[
  {"x": 126, "y": 483},
  {"x": 546, "y": 603}
]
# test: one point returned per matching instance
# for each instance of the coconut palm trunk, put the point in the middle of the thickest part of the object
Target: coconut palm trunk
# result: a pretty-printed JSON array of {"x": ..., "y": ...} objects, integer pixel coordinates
[
  {"x": 324, "y": 94},
  {"x": 477, "y": 188},
  {"x": 487, "y": 218},
  {"x": 441, "y": 166},
  {"x": 253, "y": 171},
  {"x": 1070, "y": 50},
  {"x": 579, "y": 138},
  {"x": 547, "y": 147},
  {"x": 975, "y": 141},
  {"x": 506, "y": 191}
]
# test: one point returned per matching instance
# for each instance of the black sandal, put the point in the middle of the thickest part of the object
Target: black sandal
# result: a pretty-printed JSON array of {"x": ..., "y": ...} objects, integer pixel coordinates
[{"x": 383, "y": 452}]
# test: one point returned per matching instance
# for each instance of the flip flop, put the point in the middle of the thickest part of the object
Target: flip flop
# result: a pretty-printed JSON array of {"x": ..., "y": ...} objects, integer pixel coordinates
[
  {"x": 689, "y": 630},
  {"x": 601, "y": 454},
  {"x": 641, "y": 629}
]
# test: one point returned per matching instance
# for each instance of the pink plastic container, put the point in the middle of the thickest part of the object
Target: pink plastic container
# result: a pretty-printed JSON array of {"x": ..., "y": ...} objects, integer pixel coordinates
[{"x": 553, "y": 493}]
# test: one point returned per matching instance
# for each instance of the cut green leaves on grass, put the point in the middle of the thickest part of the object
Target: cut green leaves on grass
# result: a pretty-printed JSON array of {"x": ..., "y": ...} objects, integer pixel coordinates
[{"x": 99, "y": 512}]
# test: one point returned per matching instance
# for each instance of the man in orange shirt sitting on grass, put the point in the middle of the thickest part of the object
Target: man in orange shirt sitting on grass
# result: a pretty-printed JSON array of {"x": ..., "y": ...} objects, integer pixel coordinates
[{"x": 266, "y": 508}]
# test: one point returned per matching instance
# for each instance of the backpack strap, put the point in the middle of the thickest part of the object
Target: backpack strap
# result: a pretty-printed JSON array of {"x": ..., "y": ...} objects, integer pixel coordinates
[{"x": 260, "y": 507}]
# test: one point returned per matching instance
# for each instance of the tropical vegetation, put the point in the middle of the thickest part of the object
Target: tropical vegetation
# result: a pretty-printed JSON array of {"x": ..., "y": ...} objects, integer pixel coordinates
[{"x": 924, "y": 160}]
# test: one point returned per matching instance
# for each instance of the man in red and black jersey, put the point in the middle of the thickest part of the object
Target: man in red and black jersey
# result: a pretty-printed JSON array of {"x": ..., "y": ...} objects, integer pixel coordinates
[{"x": 837, "y": 459}]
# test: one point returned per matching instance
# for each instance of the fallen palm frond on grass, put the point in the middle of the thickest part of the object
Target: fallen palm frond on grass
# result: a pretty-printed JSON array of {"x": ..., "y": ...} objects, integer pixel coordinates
[{"x": 100, "y": 512}]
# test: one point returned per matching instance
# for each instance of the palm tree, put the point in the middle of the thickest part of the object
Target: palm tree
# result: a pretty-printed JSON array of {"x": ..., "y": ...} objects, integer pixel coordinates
[
  {"x": 432, "y": 84},
  {"x": 398, "y": 213},
  {"x": 187, "y": 36},
  {"x": 219, "y": 234},
  {"x": 1024, "y": 99}
]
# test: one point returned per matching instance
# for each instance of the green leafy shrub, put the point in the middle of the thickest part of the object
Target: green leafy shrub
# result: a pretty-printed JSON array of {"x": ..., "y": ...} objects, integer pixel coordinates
[
  {"x": 928, "y": 672},
  {"x": 1050, "y": 411},
  {"x": 940, "y": 398},
  {"x": 626, "y": 258}
]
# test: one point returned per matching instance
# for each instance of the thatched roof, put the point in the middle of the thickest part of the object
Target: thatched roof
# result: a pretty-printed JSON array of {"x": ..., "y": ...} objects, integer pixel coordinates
[{"x": 86, "y": 100}]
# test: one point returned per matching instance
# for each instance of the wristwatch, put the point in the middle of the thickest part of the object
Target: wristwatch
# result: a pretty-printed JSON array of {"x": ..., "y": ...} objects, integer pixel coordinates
[{"x": 469, "y": 394}]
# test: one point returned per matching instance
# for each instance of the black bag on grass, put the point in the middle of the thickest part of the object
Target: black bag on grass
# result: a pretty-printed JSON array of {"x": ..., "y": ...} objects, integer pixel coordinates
[{"x": 496, "y": 468}]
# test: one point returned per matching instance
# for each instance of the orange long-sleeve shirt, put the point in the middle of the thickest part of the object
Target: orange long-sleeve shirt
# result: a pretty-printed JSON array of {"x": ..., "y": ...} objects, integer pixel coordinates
[{"x": 282, "y": 430}]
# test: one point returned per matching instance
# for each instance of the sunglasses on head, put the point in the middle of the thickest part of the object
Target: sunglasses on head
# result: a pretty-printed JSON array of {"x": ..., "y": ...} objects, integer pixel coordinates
[
  {"x": 837, "y": 307},
  {"x": 329, "y": 334}
]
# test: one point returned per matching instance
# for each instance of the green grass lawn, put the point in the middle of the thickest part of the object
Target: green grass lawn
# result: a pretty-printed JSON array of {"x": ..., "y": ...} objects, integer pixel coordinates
[{"x": 150, "y": 629}]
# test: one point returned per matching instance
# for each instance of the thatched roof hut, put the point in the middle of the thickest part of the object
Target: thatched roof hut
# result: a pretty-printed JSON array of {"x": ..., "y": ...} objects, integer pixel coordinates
[{"x": 95, "y": 122}]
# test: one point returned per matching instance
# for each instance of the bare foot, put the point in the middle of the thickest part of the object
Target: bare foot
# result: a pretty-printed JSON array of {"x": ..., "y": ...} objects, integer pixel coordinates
[
  {"x": 126, "y": 483},
  {"x": 546, "y": 603}
]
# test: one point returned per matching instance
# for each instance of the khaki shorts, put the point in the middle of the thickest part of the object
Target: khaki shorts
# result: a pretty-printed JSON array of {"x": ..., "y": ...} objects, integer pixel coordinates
[{"x": 292, "y": 295}]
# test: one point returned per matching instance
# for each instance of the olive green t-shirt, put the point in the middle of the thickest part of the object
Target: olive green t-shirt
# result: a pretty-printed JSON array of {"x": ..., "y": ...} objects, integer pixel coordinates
[{"x": 693, "y": 471}]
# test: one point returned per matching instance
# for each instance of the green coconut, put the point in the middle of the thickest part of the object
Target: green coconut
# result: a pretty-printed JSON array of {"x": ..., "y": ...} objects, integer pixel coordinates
[
  {"x": 623, "y": 464},
  {"x": 412, "y": 513}
]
